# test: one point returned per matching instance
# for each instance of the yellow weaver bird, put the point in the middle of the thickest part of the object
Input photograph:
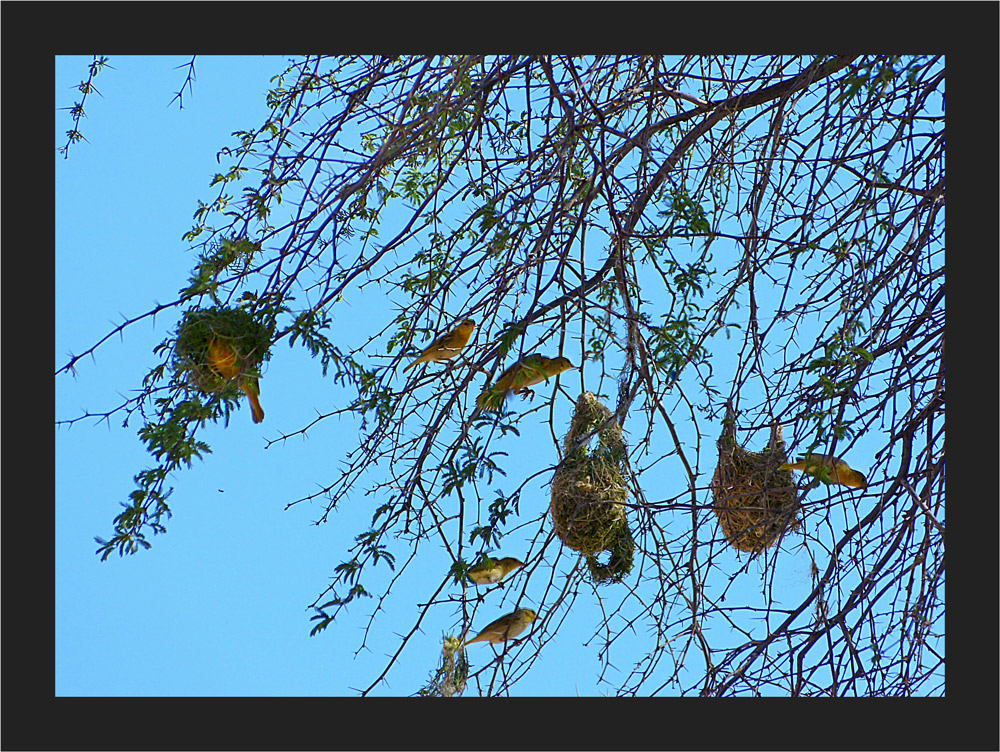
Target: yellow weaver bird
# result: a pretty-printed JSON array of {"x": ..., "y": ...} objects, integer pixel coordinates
[
  {"x": 506, "y": 627},
  {"x": 493, "y": 571},
  {"x": 447, "y": 345},
  {"x": 223, "y": 359},
  {"x": 828, "y": 469},
  {"x": 528, "y": 371}
]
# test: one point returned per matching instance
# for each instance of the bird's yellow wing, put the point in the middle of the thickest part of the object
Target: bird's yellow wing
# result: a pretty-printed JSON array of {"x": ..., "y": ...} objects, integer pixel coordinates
[
  {"x": 486, "y": 573},
  {"x": 223, "y": 359},
  {"x": 492, "y": 397}
]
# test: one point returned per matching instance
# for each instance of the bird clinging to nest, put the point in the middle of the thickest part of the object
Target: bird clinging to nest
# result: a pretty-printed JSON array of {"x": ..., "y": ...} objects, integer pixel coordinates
[{"x": 828, "y": 469}]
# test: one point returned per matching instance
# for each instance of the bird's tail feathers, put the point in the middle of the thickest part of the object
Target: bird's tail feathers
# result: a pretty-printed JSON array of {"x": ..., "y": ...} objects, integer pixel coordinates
[
  {"x": 250, "y": 390},
  {"x": 491, "y": 400}
]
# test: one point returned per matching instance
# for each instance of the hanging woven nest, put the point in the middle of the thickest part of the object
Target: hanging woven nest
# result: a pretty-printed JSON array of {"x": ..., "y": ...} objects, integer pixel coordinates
[
  {"x": 588, "y": 494},
  {"x": 244, "y": 336},
  {"x": 452, "y": 673},
  {"x": 756, "y": 503}
]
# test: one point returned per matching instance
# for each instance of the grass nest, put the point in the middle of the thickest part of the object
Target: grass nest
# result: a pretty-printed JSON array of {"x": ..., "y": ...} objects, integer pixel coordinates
[
  {"x": 244, "y": 333},
  {"x": 756, "y": 503},
  {"x": 588, "y": 494}
]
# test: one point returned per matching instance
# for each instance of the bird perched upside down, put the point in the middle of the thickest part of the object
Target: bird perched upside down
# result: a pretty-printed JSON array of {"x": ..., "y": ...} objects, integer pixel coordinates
[
  {"x": 493, "y": 571},
  {"x": 506, "y": 627},
  {"x": 528, "y": 371},
  {"x": 224, "y": 360},
  {"x": 446, "y": 346},
  {"x": 828, "y": 469}
]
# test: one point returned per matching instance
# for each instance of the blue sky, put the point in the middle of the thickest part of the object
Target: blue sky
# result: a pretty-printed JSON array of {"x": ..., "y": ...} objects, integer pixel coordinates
[{"x": 218, "y": 606}]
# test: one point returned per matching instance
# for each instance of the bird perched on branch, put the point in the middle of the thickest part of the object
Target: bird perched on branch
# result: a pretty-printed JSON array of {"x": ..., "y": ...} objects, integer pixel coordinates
[
  {"x": 447, "y": 345},
  {"x": 528, "y": 371},
  {"x": 225, "y": 361},
  {"x": 828, "y": 469},
  {"x": 493, "y": 570},
  {"x": 505, "y": 628}
]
